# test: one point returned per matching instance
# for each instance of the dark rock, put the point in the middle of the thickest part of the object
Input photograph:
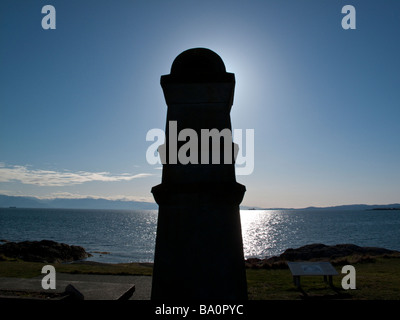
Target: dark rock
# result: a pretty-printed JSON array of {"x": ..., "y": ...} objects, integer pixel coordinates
[
  {"x": 43, "y": 251},
  {"x": 321, "y": 251}
]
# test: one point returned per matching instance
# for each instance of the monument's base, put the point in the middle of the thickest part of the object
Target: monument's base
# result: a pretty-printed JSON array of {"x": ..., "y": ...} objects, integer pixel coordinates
[{"x": 199, "y": 250}]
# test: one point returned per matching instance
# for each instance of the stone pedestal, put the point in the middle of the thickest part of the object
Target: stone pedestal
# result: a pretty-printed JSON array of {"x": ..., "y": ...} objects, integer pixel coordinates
[{"x": 199, "y": 250}]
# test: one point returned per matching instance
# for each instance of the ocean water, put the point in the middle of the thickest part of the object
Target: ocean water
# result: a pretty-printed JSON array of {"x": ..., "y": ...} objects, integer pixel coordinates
[{"x": 114, "y": 236}]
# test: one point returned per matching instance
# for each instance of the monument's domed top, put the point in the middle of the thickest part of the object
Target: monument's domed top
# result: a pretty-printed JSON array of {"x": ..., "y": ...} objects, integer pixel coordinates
[{"x": 197, "y": 61}]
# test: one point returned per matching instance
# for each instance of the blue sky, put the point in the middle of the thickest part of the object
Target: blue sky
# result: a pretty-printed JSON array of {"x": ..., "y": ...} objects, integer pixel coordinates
[{"x": 77, "y": 102}]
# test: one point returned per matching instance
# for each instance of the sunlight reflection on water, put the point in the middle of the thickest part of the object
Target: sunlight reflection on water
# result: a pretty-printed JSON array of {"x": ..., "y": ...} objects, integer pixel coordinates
[
  {"x": 269, "y": 232},
  {"x": 262, "y": 232}
]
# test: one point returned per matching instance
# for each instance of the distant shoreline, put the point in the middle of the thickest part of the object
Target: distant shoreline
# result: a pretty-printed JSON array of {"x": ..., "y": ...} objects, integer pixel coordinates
[
  {"x": 385, "y": 209},
  {"x": 24, "y": 202},
  {"x": 245, "y": 208}
]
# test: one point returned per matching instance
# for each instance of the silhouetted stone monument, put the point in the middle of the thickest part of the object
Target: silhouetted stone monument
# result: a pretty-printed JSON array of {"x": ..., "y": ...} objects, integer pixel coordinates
[{"x": 199, "y": 250}]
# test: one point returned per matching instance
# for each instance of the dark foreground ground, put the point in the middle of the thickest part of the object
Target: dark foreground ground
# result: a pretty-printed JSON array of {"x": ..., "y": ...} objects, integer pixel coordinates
[
  {"x": 377, "y": 274},
  {"x": 377, "y": 278}
]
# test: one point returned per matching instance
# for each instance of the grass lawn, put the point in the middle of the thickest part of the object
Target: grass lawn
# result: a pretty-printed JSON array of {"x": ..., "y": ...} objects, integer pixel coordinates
[
  {"x": 378, "y": 279},
  {"x": 24, "y": 269}
]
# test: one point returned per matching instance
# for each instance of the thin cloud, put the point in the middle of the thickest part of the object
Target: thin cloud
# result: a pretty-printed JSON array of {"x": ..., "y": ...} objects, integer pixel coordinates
[{"x": 49, "y": 178}]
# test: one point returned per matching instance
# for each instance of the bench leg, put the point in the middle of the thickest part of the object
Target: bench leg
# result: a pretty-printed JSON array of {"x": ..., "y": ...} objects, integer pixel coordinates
[
  {"x": 330, "y": 281},
  {"x": 296, "y": 281}
]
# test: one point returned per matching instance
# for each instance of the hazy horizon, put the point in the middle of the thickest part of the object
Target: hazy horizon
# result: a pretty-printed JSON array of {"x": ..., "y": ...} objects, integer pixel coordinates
[{"x": 123, "y": 203}]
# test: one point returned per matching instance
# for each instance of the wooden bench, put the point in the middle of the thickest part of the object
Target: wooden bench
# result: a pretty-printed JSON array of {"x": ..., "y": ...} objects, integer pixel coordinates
[{"x": 306, "y": 268}]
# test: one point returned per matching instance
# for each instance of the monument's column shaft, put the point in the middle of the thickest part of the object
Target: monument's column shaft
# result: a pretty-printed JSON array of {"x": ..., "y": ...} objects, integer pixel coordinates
[{"x": 199, "y": 250}]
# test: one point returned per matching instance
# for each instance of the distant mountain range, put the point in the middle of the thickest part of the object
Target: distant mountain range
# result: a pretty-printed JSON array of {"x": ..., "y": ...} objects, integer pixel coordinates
[
  {"x": 395, "y": 206},
  {"x": 92, "y": 203},
  {"x": 66, "y": 203}
]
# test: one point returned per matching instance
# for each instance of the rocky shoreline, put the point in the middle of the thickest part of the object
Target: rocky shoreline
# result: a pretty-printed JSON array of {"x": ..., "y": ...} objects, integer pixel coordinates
[
  {"x": 48, "y": 251},
  {"x": 43, "y": 251},
  {"x": 336, "y": 254}
]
